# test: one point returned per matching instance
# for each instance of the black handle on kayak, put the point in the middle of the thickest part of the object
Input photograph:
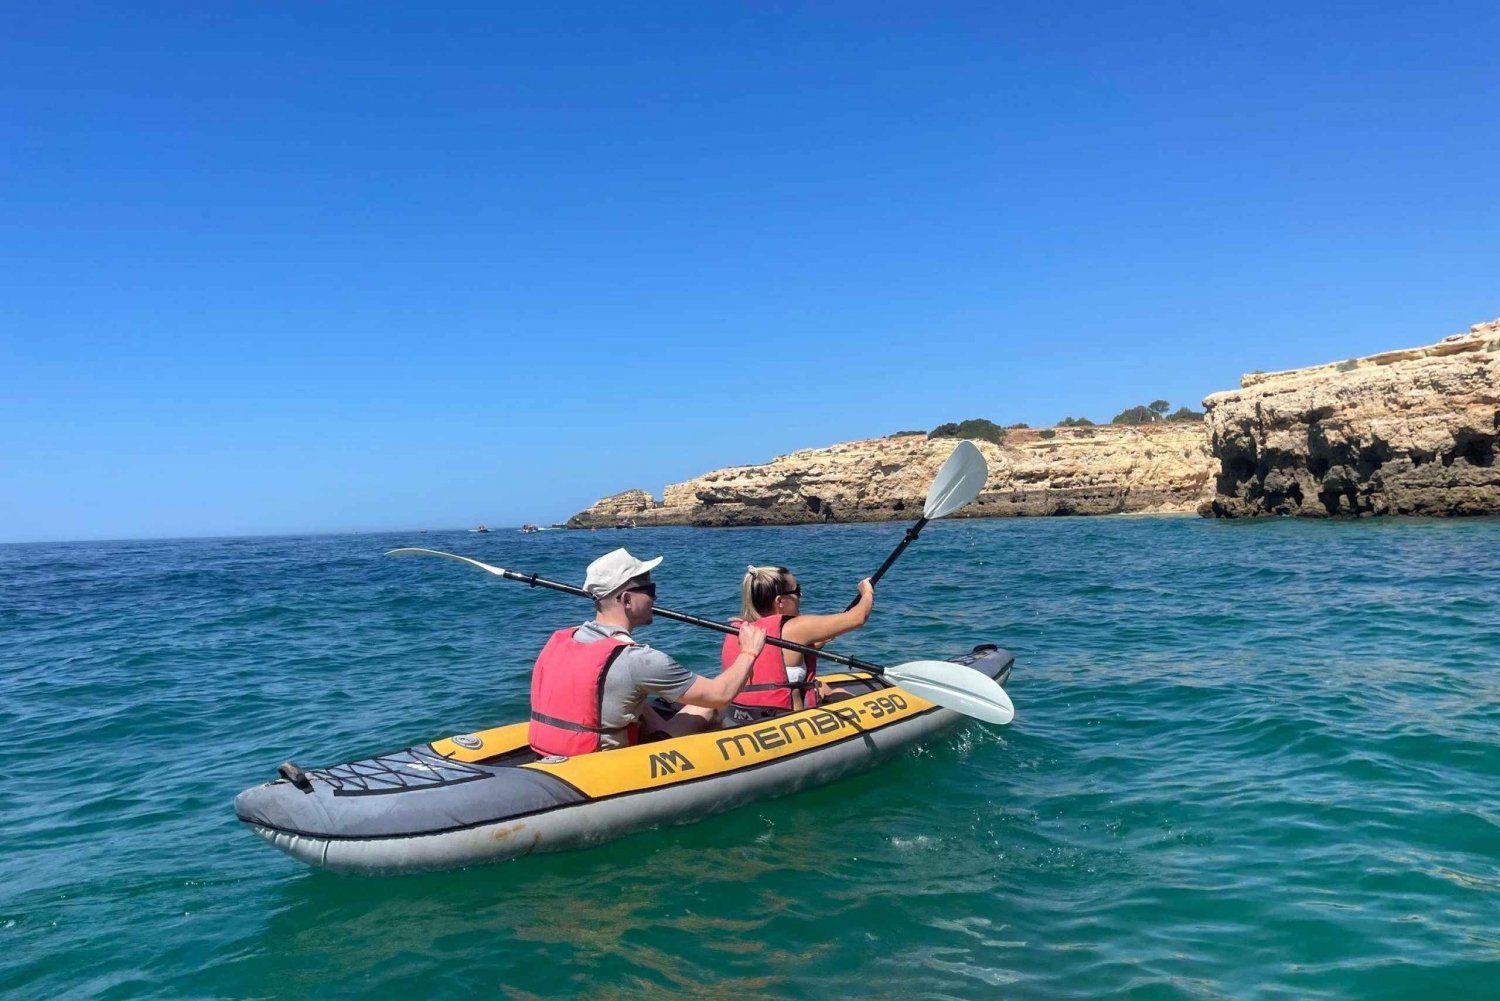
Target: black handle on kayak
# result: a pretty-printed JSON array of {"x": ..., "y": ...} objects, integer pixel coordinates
[{"x": 693, "y": 620}]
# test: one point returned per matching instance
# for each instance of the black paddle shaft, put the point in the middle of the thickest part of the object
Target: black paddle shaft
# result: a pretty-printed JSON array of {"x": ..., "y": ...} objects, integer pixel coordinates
[
  {"x": 693, "y": 620},
  {"x": 908, "y": 539}
]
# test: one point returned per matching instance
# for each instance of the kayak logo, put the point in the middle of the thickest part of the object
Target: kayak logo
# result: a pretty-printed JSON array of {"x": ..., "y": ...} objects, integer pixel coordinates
[
  {"x": 669, "y": 763},
  {"x": 800, "y": 727}
]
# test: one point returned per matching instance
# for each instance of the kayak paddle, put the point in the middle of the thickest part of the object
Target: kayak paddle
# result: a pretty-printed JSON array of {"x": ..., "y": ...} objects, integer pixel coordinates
[
  {"x": 957, "y": 483},
  {"x": 952, "y": 686}
]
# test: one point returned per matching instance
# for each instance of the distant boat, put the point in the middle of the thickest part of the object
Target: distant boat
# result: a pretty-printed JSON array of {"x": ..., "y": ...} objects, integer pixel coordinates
[
  {"x": 528, "y": 529},
  {"x": 481, "y": 528},
  {"x": 625, "y": 523}
]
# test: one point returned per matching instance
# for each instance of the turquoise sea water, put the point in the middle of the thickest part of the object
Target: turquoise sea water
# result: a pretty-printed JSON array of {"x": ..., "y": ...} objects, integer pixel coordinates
[{"x": 1250, "y": 760}]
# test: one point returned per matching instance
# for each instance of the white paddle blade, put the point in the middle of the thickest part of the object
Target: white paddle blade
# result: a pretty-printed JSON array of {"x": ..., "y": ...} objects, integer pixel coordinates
[
  {"x": 954, "y": 686},
  {"x": 958, "y": 482},
  {"x": 497, "y": 571}
]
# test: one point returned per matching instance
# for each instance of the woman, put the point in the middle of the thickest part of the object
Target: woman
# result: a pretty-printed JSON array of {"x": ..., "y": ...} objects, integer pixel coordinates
[{"x": 782, "y": 680}]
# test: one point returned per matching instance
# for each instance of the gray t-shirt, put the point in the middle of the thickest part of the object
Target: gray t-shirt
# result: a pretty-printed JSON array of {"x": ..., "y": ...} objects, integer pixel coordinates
[{"x": 639, "y": 671}]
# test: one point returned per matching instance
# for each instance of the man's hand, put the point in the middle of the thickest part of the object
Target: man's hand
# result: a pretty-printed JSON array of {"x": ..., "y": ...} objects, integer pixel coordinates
[{"x": 752, "y": 639}]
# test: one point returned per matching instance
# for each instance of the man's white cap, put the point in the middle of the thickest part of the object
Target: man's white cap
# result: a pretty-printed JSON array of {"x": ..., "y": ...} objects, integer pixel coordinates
[{"x": 613, "y": 571}]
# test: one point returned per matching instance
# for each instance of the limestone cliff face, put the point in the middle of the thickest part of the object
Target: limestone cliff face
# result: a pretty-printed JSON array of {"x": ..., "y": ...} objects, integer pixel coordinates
[
  {"x": 1405, "y": 432},
  {"x": 614, "y": 510},
  {"x": 1100, "y": 470}
]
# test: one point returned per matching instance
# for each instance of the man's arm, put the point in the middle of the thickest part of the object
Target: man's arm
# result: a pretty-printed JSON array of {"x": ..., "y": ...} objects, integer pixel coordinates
[{"x": 716, "y": 693}]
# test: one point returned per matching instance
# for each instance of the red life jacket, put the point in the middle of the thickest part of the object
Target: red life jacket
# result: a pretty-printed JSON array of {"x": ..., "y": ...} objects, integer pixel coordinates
[
  {"x": 567, "y": 695},
  {"x": 768, "y": 685}
]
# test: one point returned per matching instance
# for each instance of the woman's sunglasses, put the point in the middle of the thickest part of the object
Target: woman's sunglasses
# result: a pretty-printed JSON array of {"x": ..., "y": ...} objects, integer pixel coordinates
[{"x": 795, "y": 592}]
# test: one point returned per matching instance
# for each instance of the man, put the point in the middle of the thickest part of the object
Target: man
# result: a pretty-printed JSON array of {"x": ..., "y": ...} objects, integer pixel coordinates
[{"x": 590, "y": 684}]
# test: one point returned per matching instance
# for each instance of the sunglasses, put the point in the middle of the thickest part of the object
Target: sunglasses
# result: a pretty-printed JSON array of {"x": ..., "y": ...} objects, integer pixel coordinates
[
  {"x": 795, "y": 592},
  {"x": 649, "y": 590}
]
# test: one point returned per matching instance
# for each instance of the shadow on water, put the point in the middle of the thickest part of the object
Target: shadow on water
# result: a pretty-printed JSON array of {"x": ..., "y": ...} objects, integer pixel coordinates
[
  {"x": 659, "y": 913},
  {"x": 740, "y": 903}
]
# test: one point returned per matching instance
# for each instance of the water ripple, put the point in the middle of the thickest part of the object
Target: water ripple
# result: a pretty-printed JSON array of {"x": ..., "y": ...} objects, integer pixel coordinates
[{"x": 1250, "y": 760}]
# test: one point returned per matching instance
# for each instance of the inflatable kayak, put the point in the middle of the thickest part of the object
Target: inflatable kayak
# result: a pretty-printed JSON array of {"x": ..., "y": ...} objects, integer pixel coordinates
[{"x": 486, "y": 797}]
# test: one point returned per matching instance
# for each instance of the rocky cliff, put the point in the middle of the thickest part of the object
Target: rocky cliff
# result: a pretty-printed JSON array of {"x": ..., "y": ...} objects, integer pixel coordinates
[
  {"x": 1092, "y": 470},
  {"x": 1405, "y": 432}
]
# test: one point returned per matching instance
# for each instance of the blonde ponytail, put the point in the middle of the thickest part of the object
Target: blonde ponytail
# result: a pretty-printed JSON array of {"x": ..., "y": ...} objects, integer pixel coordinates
[{"x": 759, "y": 590}]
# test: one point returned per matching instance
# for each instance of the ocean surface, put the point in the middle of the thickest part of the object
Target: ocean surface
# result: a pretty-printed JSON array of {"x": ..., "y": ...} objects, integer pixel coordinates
[{"x": 1251, "y": 760}]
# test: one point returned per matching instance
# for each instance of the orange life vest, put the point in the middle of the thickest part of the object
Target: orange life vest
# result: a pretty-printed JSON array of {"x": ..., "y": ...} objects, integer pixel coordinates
[
  {"x": 567, "y": 695},
  {"x": 768, "y": 686}
]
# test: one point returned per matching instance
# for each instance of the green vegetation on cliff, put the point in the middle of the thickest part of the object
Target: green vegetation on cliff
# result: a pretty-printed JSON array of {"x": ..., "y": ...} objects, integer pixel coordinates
[
  {"x": 974, "y": 427},
  {"x": 1155, "y": 411},
  {"x": 987, "y": 430}
]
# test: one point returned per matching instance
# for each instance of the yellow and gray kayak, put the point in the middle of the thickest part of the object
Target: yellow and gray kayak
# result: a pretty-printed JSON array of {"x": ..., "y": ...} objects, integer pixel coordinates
[{"x": 486, "y": 796}]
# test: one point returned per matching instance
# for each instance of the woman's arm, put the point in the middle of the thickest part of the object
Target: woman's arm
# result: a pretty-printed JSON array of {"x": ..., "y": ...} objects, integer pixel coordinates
[{"x": 809, "y": 629}]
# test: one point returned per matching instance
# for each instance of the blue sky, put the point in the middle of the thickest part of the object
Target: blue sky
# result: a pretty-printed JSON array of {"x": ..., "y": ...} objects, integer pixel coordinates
[{"x": 276, "y": 268}]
